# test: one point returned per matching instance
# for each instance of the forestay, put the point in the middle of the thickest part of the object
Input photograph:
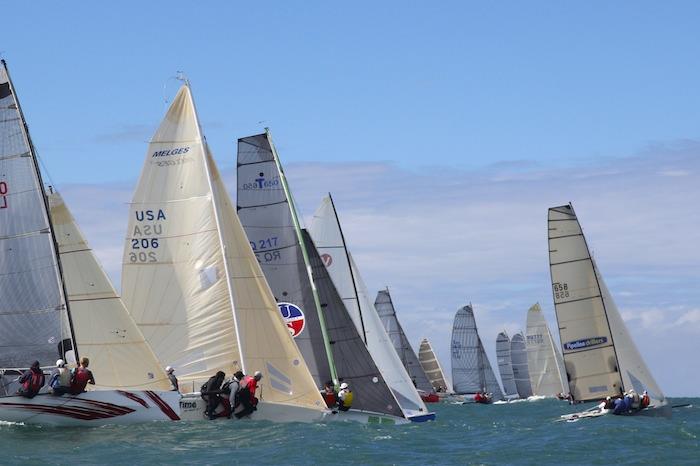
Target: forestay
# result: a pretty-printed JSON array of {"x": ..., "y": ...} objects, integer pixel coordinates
[
  {"x": 433, "y": 369},
  {"x": 471, "y": 369},
  {"x": 545, "y": 364},
  {"x": 521, "y": 374},
  {"x": 505, "y": 365},
  {"x": 191, "y": 280},
  {"x": 104, "y": 330},
  {"x": 387, "y": 313},
  {"x": 34, "y": 318},
  {"x": 600, "y": 357}
]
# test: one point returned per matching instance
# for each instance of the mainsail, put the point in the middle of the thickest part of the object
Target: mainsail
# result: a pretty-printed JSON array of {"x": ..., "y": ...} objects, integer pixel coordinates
[
  {"x": 190, "y": 279},
  {"x": 545, "y": 364},
  {"x": 385, "y": 308},
  {"x": 505, "y": 364},
  {"x": 431, "y": 366},
  {"x": 34, "y": 315},
  {"x": 600, "y": 357},
  {"x": 521, "y": 374},
  {"x": 327, "y": 234},
  {"x": 471, "y": 369},
  {"x": 104, "y": 330}
]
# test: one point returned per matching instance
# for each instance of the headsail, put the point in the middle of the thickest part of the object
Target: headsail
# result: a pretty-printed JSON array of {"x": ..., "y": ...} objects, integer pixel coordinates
[
  {"x": 520, "y": 370},
  {"x": 34, "y": 316},
  {"x": 505, "y": 364},
  {"x": 471, "y": 369},
  {"x": 600, "y": 357},
  {"x": 385, "y": 308},
  {"x": 104, "y": 330},
  {"x": 431, "y": 365},
  {"x": 545, "y": 364}
]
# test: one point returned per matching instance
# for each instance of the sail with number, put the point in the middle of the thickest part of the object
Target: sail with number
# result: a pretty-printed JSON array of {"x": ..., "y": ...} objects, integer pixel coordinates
[
  {"x": 387, "y": 313},
  {"x": 599, "y": 355},
  {"x": 190, "y": 278},
  {"x": 328, "y": 237},
  {"x": 471, "y": 369},
  {"x": 521, "y": 374},
  {"x": 505, "y": 365},
  {"x": 544, "y": 361},
  {"x": 431, "y": 365}
]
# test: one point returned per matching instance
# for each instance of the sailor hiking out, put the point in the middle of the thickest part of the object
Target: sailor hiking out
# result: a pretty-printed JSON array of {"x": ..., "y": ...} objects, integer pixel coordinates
[
  {"x": 60, "y": 379},
  {"x": 81, "y": 377},
  {"x": 345, "y": 397},
  {"x": 32, "y": 381}
]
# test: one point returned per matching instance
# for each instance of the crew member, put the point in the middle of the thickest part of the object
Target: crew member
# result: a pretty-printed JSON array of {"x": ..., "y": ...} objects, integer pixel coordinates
[
  {"x": 81, "y": 377},
  {"x": 644, "y": 402},
  {"x": 247, "y": 394},
  {"x": 210, "y": 393},
  {"x": 60, "y": 380},
  {"x": 345, "y": 397},
  {"x": 173, "y": 380},
  {"x": 329, "y": 395},
  {"x": 32, "y": 381}
]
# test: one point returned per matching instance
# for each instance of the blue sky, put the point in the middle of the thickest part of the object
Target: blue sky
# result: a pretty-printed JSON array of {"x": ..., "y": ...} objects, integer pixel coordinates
[{"x": 444, "y": 131}]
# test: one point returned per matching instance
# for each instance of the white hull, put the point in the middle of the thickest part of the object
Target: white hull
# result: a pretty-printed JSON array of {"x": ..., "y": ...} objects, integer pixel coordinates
[
  {"x": 95, "y": 408},
  {"x": 192, "y": 407}
]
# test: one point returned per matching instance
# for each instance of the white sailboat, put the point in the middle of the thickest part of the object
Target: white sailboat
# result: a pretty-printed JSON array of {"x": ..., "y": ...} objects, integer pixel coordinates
[
  {"x": 433, "y": 369},
  {"x": 327, "y": 234},
  {"x": 544, "y": 360},
  {"x": 599, "y": 355},
  {"x": 56, "y": 301},
  {"x": 193, "y": 284}
]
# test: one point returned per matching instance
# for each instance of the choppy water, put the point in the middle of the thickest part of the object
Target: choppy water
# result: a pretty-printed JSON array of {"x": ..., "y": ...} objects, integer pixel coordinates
[{"x": 521, "y": 433}]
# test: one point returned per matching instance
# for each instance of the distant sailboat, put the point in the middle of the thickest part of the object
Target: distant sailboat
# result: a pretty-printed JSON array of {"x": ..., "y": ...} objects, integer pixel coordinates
[
  {"x": 600, "y": 357},
  {"x": 505, "y": 365},
  {"x": 193, "y": 284},
  {"x": 387, "y": 313},
  {"x": 328, "y": 237},
  {"x": 56, "y": 300},
  {"x": 544, "y": 360},
  {"x": 521, "y": 374},
  {"x": 431, "y": 365},
  {"x": 471, "y": 369}
]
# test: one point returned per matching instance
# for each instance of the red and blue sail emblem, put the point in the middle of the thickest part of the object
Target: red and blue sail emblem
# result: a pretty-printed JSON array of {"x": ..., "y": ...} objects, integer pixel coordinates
[{"x": 293, "y": 317}]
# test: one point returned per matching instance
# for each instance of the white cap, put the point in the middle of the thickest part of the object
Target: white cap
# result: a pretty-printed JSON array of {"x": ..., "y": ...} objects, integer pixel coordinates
[
  {"x": 257, "y": 375},
  {"x": 60, "y": 363},
  {"x": 169, "y": 369},
  {"x": 343, "y": 386}
]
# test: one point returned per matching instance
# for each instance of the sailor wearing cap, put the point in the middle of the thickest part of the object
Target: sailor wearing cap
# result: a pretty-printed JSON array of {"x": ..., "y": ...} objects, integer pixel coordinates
[{"x": 345, "y": 397}]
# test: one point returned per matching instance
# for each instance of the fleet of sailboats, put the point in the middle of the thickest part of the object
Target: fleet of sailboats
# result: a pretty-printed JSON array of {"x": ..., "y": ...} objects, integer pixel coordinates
[{"x": 208, "y": 286}]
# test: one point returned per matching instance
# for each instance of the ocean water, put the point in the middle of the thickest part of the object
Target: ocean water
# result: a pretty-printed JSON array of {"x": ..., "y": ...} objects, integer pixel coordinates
[{"x": 521, "y": 433}]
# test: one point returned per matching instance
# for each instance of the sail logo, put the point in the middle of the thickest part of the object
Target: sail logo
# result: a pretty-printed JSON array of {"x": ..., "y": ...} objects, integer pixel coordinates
[
  {"x": 167, "y": 152},
  {"x": 260, "y": 182},
  {"x": 535, "y": 339},
  {"x": 294, "y": 318},
  {"x": 327, "y": 259},
  {"x": 585, "y": 343}
]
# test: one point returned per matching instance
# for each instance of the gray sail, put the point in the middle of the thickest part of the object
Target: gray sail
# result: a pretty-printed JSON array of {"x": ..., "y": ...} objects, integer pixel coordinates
[
  {"x": 34, "y": 319},
  {"x": 266, "y": 215},
  {"x": 387, "y": 313},
  {"x": 430, "y": 364},
  {"x": 518, "y": 354},
  {"x": 353, "y": 362},
  {"x": 471, "y": 369},
  {"x": 505, "y": 364}
]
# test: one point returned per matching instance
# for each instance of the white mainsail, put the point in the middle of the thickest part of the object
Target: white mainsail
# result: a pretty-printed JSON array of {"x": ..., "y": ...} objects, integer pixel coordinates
[
  {"x": 505, "y": 365},
  {"x": 327, "y": 234},
  {"x": 546, "y": 366},
  {"x": 521, "y": 373},
  {"x": 433, "y": 369},
  {"x": 191, "y": 280},
  {"x": 600, "y": 357},
  {"x": 104, "y": 330}
]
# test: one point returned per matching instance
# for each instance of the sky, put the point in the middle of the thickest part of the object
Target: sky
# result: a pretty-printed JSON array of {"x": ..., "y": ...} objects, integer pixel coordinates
[{"x": 444, "y": 132}]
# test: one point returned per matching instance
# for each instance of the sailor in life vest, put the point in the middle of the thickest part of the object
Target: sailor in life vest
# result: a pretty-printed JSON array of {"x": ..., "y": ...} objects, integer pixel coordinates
[
  {"x": 81, "y": 377},
  {"x": 32, "y": 381},
  {"x": 60, "y": 380},
  {"x": 345, "y": 397},
  {"x": 329, "y": 395}
]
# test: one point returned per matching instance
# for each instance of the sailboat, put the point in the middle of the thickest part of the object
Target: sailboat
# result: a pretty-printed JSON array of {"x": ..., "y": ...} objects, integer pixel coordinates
[
  {"x": 307, "y": 299},
  {"x": 328, "y": 236},
  {"x": 193, "y": 284},
  {"x": 600, "y": 356},
  {"x": 471, "y": 370},
  {"x": 431, "y": 365},
  {"x": 544, "y": 361},
  {"x": 521, "y": 374},
  {"x": 505, "y": 366},
  {"x": 57, "y": 301},
  {"x": 387, "y": 313}
]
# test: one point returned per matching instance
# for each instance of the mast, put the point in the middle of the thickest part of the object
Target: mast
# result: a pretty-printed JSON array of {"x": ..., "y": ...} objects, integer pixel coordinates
[
  {"x": 307, "y": 262},
  {"x": 44, "y": 198},
  {"x": 352, "y": 275}
]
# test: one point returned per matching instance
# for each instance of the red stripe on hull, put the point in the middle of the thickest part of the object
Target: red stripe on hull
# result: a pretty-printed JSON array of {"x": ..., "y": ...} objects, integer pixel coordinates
[{"x": 167, "y": 410}]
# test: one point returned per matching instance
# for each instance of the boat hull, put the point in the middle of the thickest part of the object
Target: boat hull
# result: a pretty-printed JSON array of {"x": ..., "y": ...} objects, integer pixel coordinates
[
  {"x": 430, "y": 397},
  {"x": 95, "y": 408}
]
